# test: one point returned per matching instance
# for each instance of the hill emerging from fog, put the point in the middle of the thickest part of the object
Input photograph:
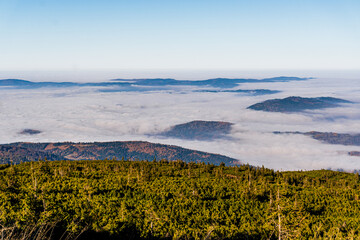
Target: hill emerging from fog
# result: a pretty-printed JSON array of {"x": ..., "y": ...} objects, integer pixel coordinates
[
  {"x": 199, "y": 130},
  {"x": 134, "y": 150},
  {"x": 297, "y": 104},
  {"x": 29, "y": 131},
  {"x": 336, "y": 138},
  {"x": 333, "y": 138}
]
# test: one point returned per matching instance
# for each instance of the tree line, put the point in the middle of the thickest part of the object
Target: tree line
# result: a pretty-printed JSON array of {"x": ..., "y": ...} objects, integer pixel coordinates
[{"x": 174, "y": 200}]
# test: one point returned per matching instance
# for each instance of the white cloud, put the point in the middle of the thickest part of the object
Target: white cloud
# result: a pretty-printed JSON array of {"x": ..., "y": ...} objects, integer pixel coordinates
[{"x": 83, "y": 114}]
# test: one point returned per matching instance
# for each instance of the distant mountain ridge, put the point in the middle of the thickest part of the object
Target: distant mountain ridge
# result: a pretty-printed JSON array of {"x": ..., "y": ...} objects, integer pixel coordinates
[
  {"x": 18, "y": 83},
  {"x": 199, "y": 130},
  {"x": 254, "y": 92},
  {"x": 18, "y": 152},
  {"x": 297, "y": 104},
  {"x": 216, "y": 82}
]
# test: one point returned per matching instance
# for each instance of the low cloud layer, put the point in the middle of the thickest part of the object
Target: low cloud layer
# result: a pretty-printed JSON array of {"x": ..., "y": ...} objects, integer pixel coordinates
[{"x": 85, "y": 114}]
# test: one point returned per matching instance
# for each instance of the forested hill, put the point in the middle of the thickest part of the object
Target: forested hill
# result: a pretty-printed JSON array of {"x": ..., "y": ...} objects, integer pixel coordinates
[
  {"x": 199, "y": 130},
  {"x": 336, "y": 138},
  {"x": 174, "y": 200},
  {"x": 297, "y": 104},
  {"x": 135, "y": 150}
]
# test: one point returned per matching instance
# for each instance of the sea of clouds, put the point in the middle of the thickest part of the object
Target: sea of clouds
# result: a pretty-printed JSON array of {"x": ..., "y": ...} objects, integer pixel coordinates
[{"x": 85, "y": 114}]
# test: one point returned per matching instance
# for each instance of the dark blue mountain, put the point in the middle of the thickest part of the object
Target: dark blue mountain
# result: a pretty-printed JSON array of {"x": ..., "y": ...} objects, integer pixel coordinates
[
  {"x": 215, "y": 82},
  {"x": 254, "y": 92},
  {"x": 297, "y": 104},
  {"x": 155, "y": 82},
  {"x": 218, "y": 82},
  {"x": 199, "y": 130},
  {"x": 284, "y": 79},
  {"x": 18, "y": 83},
  {"x": 15, "y": 82}
]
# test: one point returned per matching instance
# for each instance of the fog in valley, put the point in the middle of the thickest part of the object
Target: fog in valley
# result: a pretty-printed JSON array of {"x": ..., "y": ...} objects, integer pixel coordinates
[{"x": 90, "y": 113}]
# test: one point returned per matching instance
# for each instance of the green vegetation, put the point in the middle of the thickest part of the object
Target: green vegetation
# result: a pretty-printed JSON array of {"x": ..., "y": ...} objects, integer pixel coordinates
[{"x": 175, "y": 200}]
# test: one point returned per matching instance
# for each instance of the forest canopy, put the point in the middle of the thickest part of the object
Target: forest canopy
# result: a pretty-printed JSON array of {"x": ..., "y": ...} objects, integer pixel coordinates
[{"x": 174, "y": 200}]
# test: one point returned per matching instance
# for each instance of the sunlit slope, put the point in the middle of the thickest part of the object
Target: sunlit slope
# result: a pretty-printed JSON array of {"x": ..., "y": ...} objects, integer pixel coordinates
[{"x": 134, "y": 150}]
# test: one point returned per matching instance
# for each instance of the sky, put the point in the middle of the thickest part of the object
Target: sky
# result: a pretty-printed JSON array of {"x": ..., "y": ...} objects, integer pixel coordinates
[
  {"x": 51, "y": 40},
  {"x": 50, "y": 35}
]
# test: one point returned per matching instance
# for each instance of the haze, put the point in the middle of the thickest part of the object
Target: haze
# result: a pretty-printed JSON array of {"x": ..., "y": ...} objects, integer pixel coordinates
[
  {"x": 89, "y": 114},
  {"x": 185, "y": 35}
]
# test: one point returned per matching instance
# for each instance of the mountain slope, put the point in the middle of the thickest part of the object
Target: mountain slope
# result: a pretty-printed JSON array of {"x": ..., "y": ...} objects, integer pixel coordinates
[
  {"x": 333, "y": 138},
  {"x": 135, "y": 150},
  {"x": 199, "y": 130},
  {"x": 17, "y": 154},
  {"x": 336, "y": 138},
  {"x": 297, "y": 104}
]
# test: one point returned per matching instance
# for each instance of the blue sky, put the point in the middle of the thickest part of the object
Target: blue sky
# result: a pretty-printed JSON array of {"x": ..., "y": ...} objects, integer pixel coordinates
[{"x": 179, "y": 34}]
